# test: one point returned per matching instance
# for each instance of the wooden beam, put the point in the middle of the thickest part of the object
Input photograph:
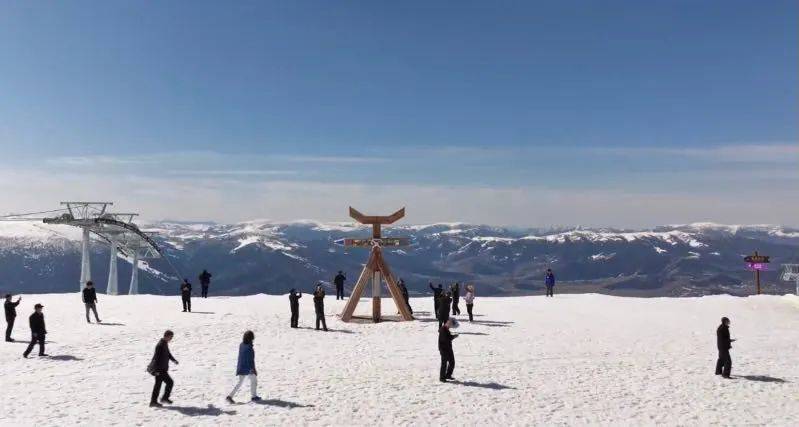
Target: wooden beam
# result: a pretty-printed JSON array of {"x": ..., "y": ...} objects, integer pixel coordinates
[
  {"x": 393, "y": 288},
  {"x": 366, "y": 274}
]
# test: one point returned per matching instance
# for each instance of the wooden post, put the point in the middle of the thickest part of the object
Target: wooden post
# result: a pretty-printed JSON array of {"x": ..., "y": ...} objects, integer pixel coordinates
[
  {"x": 376, "y": 284},
  {"x": 757, "y": 280}
]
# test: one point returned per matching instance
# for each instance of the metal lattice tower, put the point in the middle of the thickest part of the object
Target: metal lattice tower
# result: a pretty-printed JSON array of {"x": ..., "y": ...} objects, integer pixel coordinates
[{"x": 116, "y": 229}]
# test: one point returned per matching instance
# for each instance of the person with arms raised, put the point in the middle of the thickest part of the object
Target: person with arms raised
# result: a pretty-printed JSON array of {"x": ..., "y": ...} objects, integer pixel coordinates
[{"x": 10, "y": 308}]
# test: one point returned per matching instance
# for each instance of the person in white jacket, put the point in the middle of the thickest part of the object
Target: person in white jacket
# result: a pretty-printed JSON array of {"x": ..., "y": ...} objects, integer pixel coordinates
[{"x": 469, "y": 299}]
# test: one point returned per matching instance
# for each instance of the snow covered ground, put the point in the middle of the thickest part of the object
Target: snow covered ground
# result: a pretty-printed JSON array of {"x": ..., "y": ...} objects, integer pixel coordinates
[{"x": 574, "y": 359}]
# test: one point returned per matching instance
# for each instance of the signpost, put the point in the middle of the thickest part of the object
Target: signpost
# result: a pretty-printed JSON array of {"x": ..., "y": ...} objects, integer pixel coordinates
[
  {"x": 376, "y": 269},
  {"x": 757, "y": 262}
]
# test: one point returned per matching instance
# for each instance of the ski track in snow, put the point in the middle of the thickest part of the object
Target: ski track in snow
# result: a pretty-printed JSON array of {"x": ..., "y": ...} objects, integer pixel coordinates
[{"x": 572, "y": 359}]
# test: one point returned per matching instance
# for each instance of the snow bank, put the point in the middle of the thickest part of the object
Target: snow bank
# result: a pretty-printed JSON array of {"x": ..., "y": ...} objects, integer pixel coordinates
[{"x": 572, "y": 359}]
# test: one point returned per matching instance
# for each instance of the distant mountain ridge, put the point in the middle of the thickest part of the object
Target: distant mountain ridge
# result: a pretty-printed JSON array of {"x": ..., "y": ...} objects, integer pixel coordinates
[{"x": 263, "y": 256}]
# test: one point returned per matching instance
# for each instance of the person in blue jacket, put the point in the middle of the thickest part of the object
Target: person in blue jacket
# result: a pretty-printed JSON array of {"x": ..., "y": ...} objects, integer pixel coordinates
[
  {"x": 550, "y": 282},
  {"x": 245, "y": 368}
]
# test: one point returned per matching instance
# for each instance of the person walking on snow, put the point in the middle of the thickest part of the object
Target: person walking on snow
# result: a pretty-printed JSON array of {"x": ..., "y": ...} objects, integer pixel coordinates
[
  {"x": 550, "y": 282},
  {"x": 245, "y": 368},
  {"x": 339, "y": 281},
  {"x": 90, "y": 301},
  {"x": 294, "y": 303},
  {"x": 159, "y": 368},
  {"x": 404, "y": 291},
  {"x": 469, "y": 299},
  {"x": 205, "y": 282},
  {"x": 10, "y": 308},
  {"x": 445, "y": 338},
  {"x": 38, "y": 331},
  {"x": 319, "y": 306},
  {"x": 456, "y": 297},
  {"x": 724, "y": 344},
  {"x": 185, "y": 295}
]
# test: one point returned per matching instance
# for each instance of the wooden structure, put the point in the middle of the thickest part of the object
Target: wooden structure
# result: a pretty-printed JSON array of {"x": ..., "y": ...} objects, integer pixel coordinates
[
  {"x": 757, "y": 262},
  {"x": 376, "y": 269}
]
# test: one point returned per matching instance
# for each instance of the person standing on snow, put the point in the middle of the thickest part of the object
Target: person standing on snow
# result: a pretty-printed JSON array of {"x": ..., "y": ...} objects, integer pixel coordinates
[
  {"x": 404, "y": 291},
  {"x": 185, "y": 294},
  {"x": 445, "y": 338},
  {"x": 294, "y": 303},
  {"x": 245, "y": 368},
  {"x": 724, "y": 344},
  {"x": 456, "y": 297},
  {"x": 549, "y": 280},
  {"x": 205, "y": 282},
  {"x": 159, "y": 368},
  {"x": 90, "y": 301},
  {"x": 319, "y": 306},
  {"x": 10, "y": 308},
  {"x": 443, "y": 308},
  {"x": 469, "y": 299},
  {"x": 38, "y": 331},
  {"x": 339, "y": 282}
]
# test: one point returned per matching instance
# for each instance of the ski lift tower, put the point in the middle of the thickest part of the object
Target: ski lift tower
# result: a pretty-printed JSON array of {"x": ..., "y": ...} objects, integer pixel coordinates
[
  {"x": 790, "y": 273},
  {"x": 117, "y": 229}
]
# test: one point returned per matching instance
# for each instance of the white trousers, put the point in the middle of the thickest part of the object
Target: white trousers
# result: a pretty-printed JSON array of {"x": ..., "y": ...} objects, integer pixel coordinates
[{"x": 253, "y": 384}]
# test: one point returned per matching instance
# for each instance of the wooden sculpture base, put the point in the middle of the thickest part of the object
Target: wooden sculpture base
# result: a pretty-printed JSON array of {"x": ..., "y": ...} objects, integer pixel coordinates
[{"x": 376, "y": 264}]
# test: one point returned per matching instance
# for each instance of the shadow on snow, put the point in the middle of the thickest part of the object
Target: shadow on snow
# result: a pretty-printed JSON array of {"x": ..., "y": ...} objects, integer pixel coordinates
[
  {"x": 197, "y": 411},
  {"x": 492, "y": 386},
  {"x": 282, "y": 404},
  {"x": 762, "y": 378}
]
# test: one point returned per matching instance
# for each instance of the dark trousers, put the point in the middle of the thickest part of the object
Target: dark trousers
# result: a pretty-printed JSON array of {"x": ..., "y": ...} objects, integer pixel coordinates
[
  {"x": 295, "y": 317},
  {"x": 320, "y": 317},
  {"x": 435, "y": 307},
  {"x": 9, "y": 327},
  {"x": 469, "y": 310},
  {"x": 162, "y": 378},
  {"x": 724, "y": 363},
  {"x": 408, "y": 304},
  {"x": 550, "y": 290},
  {"x": 205, "y": 291},
  {"x": 442, "y": 318},
  {"x": 34, "y": 339},
  {"x": 186, "y": 303},
  {"x": 91, "y": 306},
  {"x": 339, "y": 292},
  {"x": 447, "y": 364},
  {"x": 455, "y": 308}
]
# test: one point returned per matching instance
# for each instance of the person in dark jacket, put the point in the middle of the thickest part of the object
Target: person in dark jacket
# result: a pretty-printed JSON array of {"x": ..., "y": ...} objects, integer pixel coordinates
[
  {"x": 38, "y": 331},
  {"x": 10, "y": 308},
  {"x": 339, "y": 282},
  {"x": 437, "y": 292},
  {"x": 294, "y": 302},
  {"x": 90, "y": 300},
  {"x": 443, "y": 308},
  {"x": 205, "y": 282},
  {"x": 405, "y": 296},
  {"x": 445, "y": 338},
  {"x": 549, "y": 280},
  {"x": 245, "y": 368},
  {"x": 159, "y": 368},
  {"x": 456, "y": 297},
  {"x": 319, "y": 306},
  {"x": 185, "y": 294},
  {"x": 724, "y": 344}
]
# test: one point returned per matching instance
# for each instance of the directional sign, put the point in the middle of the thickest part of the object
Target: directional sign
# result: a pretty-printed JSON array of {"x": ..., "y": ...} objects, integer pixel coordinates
[
  {"x": 757, "y": 259},
  {"x": 384, "y": 242}
]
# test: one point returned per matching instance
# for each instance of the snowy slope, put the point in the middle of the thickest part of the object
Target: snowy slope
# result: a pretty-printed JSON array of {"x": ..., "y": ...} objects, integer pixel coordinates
[{"x": 574, "y": 359}]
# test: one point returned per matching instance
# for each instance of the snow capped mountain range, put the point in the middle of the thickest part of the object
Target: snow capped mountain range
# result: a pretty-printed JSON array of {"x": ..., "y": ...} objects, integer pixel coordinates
[{"x": 271, "y": 257}]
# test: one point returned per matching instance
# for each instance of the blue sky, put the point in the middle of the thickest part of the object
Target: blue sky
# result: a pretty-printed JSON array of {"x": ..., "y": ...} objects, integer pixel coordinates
[{"x": 622, "y": 113}]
